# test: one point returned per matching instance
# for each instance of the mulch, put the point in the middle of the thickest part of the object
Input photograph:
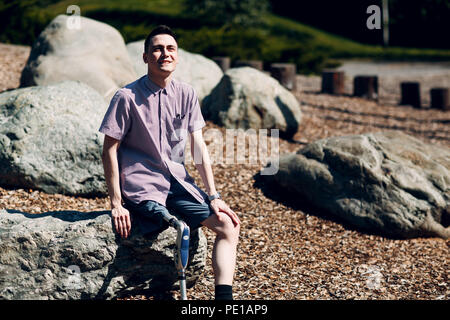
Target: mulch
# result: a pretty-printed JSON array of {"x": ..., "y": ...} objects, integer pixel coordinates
[{"x": 288, "y": 248}]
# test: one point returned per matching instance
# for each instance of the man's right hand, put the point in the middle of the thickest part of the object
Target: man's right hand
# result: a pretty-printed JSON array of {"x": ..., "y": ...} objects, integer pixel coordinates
[{"x": 122, "y": 222}]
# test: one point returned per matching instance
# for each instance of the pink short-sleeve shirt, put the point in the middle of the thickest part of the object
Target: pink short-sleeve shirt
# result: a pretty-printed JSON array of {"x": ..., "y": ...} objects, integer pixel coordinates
[{"x": 152, "y": 124}]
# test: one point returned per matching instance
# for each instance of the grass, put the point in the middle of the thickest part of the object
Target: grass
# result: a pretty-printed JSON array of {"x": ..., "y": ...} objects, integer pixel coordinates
[{"x": 340, "y": 47}]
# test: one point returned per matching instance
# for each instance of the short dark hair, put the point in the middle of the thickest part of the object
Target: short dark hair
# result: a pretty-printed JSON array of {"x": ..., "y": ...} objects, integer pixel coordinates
[{"x": 161, "y": 29}]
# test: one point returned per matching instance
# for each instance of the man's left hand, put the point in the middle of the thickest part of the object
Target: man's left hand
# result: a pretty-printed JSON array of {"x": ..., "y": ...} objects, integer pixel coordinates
[{"x": 219, "y": 206}]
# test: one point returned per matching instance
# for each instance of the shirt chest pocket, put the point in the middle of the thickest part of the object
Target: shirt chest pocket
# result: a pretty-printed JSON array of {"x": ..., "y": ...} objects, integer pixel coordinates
[
  {"x": 177, "y": 123},
  {"x": 179, "y": 128}
]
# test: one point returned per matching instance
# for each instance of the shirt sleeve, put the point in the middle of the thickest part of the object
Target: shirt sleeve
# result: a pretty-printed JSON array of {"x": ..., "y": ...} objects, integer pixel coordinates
[
  {"x": 117, "y": 118},
  {"x": 196, "y": 120}
]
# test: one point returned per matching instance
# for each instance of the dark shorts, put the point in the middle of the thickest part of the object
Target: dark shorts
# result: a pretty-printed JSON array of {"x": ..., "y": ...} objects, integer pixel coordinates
[{"x": 180, "y": 203}]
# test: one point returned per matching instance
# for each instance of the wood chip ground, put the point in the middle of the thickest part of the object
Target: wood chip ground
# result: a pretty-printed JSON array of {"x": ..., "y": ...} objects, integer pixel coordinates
[{"x": 288, "y": 249}]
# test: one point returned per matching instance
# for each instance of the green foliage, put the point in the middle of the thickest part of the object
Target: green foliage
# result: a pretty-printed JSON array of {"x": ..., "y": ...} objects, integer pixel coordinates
[
  {"x": 236, "y": 43},
  {"x": 132, "y": 33},
  {"x": 253, "y": 44},
  {"x": 22, "y": 21},
  {"x": 242, "y": 30},
  {"x": 229, "y": 13},
  {"x": 307, "y": 58},
  {"x": 419, "y": 23},
  {"x": 412, "y": 23}
]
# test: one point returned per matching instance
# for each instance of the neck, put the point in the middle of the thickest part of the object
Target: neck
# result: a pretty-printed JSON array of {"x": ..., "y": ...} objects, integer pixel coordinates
[{"x": 160, "y": 81}]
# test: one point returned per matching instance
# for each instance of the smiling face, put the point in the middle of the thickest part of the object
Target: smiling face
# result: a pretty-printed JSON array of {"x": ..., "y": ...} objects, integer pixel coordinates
[{"x": 161, "y": 55}]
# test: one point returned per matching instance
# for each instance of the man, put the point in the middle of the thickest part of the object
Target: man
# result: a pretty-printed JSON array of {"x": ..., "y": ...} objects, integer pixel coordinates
[{"x": 145, "y": 131}]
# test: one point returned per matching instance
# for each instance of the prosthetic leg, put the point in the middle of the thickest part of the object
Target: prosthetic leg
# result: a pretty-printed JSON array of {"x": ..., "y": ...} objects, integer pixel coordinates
[{"x": 182, "y": 250}]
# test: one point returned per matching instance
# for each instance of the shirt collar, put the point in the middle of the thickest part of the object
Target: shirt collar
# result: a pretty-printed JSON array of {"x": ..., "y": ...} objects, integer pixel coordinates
[{"x": 154, "y": 88}]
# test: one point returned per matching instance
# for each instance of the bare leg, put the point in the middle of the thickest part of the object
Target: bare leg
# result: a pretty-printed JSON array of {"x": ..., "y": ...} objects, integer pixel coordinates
[{"x": 224, "y": 250}]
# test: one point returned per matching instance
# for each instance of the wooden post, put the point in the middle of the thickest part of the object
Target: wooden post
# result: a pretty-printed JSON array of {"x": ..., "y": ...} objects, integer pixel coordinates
[
  {"x": 223, "y": 62},
  {"x": 410, "y": 94},
  {"x": 333, "y": 82},
  {"x": 257, "y": 64},
  {"x": 285, "y": 73},
  {"x": 366, "y": 87},
  {"x": 440, "y": 98}
]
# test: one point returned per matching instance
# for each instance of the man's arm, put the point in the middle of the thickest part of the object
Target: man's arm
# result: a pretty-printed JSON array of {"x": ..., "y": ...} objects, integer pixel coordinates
[
  {"x": 202, "y": 162},
  {"x": 120, "y": 215}
]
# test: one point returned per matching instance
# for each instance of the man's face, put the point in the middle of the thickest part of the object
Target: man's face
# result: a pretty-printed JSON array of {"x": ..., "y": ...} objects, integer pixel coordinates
[{"x": 162, "y": 55}]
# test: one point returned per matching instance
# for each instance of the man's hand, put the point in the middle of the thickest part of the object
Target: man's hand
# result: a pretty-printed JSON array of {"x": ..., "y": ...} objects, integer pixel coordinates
[
  {"x": 120, "y": 215},
  {"x": 122, "y": 222},
  {"x": 219, "y": 206}
]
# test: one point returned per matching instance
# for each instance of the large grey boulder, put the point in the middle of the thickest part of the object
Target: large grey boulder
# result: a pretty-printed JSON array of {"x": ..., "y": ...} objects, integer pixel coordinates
[
  {"x": 135, "y": 50},
  {"x": 201, "y": 73},
  {"x": 385, "y": 182},
  {"x": 49, "y": 139},
  {"x": 76, "y": 255},
  {"x": 95, "y": 53},
  {"x": 248, "y": 98}
]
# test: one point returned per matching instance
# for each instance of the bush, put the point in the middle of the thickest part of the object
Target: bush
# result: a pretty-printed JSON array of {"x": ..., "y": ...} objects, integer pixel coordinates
[
  {"x": 22, "y": 21},
  {"x": 253, "y": 44},
  {"x": 229, "y": 13},
  {"x": 307, "y": 58},
  {"x": 237, "y": 43}
]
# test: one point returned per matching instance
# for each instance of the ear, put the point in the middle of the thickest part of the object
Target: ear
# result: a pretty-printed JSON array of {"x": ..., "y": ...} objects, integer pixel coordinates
[{"x": 144, "y": 57}]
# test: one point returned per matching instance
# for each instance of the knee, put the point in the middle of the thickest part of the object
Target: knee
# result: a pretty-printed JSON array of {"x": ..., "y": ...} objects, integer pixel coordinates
[{"x": 228, "y": 229}]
